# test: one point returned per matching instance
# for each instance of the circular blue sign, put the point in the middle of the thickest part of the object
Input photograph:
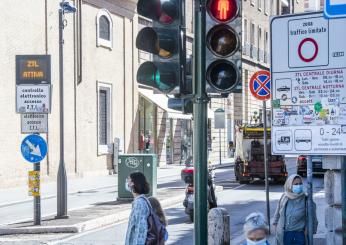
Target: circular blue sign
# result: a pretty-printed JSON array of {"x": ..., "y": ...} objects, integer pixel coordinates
[{"x": 34, "y": 148}]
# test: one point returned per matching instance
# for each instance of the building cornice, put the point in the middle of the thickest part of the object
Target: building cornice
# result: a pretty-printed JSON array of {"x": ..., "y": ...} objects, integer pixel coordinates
[{"x": 125, "y": 8}]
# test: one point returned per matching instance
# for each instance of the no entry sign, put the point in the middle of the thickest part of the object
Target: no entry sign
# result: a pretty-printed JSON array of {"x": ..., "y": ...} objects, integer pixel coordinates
[{"x": 260, "y": 85}]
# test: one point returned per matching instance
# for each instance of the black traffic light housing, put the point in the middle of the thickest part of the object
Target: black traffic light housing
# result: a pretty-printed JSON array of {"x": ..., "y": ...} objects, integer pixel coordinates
[
  {"x": 164, "y": 40},
  {"x": 223, "y": 49}
]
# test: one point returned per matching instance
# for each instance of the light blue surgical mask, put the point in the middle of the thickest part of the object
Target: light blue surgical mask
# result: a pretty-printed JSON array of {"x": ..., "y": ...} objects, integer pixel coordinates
[
  {"x": 127, "y": 186},
  {"x": 261, "y": 242},
  {"x": 297, "y": 189}
]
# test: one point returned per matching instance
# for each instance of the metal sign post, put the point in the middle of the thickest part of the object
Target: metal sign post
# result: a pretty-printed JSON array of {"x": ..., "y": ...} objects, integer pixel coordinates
[
  {"x": 310, "y": 200},
  {"x": 266, "y": 162},
  {"x": 260, "y": 88},
  {"x": 34, "y": 150},
  {"x": 37, "y": 198}
]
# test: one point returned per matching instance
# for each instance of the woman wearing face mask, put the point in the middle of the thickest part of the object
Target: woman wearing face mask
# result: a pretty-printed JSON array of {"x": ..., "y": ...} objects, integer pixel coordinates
[
  {"x": 256, "y": 230},
  {"x": 138, "y": 222},
  {"x": 290, "y": 218}
]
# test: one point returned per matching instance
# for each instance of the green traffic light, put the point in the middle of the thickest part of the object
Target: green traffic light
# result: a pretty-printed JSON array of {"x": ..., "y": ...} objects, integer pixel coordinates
[{"x": 149, "y": 75}]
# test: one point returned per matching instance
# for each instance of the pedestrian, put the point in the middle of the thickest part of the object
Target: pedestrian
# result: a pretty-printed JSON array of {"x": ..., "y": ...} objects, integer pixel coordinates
[
  {"x": 255, "y": 229},
  {"x": 156, "y": 207},
  {"x": 290, "y": 218},
  {"x": 138, "y": 222}
]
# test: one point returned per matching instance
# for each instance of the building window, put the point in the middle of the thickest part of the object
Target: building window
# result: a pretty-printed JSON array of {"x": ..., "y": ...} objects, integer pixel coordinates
[
  {"x": 266, "y": 47},
  {"x": 246, "y": 38},
  {"x": 259, "y": 37},
  {"x": 104, "y": 26},
  {"x": 104, "y": 117},
  {"x": 265, "y": 7},
  {"x": 252, "y": 34}
]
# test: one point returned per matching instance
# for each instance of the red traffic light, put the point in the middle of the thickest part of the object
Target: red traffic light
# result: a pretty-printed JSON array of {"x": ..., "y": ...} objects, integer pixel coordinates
[{"x": 223, "y": 10}]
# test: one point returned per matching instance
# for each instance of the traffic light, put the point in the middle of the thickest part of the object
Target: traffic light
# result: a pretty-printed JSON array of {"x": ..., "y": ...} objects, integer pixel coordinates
[
  {"x": 223, "y": 49},
  {"x": 163, "y": 40}
]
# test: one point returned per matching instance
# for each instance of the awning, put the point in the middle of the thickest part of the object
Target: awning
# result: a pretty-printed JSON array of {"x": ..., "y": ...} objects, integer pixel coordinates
[{"x": 161, "y": 101}]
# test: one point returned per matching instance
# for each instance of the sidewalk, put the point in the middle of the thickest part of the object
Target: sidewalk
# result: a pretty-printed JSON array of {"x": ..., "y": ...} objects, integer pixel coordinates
[
  {"x": 11, "y": 196},
  {"x": 97, "y": 214}
]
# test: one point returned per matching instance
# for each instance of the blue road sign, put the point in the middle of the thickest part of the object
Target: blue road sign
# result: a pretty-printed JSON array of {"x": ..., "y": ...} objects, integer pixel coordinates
[
  {"x": 34, "y": 148},
  {"x": 335, "y": 8}
]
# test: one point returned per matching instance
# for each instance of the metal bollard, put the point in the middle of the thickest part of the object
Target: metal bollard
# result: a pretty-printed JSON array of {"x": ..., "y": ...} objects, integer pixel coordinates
[{"x": 218, "y": 227}]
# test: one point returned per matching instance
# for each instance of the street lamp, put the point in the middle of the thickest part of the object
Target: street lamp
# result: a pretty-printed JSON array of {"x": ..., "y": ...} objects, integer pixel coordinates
[{"x": 65, "y": 7}]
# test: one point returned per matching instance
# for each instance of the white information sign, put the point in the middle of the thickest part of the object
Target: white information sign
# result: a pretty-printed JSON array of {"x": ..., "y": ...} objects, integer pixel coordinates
[
  {"x": 34, "y": 123},
  {"x": 309, "y": 86},
  {"x": 33, "y": 98}
]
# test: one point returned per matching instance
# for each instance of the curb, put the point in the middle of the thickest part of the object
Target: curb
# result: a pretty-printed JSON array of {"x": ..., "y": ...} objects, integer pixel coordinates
[
  {"x": 225, "y": 165},
  {"x": 90, "y": 224}
]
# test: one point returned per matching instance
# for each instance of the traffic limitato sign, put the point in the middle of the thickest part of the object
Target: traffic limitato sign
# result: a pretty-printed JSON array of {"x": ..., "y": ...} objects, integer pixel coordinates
[
  {"x": 309, "y": 86},
  {"x": 260, "y": 85}
]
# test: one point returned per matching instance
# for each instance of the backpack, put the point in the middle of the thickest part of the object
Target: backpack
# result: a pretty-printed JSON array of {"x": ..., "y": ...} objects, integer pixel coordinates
[{"x": 156, "y": 230}]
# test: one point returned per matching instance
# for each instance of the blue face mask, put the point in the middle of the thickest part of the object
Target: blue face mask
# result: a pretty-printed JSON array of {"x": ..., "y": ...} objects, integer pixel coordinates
[
  {"x": 297, "y": 189},
  {"x": 261, "y": 242}
]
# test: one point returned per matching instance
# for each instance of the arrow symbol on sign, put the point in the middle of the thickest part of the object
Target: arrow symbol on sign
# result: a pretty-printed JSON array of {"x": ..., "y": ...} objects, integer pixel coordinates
[{"x": 34, "y": 150}]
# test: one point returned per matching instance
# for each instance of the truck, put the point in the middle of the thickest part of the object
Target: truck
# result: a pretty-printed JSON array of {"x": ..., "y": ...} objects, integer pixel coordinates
[{"x": 249, "y": 156}]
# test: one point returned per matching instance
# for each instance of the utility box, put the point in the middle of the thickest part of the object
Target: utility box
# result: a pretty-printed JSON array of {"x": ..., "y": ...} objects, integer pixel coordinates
[{"x": 129, "y": 163}]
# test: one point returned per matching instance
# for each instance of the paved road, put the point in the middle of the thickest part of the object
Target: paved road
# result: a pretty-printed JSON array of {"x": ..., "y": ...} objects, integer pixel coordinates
[
  {"x": 239, "y": 200},
  {"x": 13, "y": 213}
]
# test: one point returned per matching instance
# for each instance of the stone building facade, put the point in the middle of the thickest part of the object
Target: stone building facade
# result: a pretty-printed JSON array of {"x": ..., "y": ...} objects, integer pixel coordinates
[{"x": 100, "y": 91}]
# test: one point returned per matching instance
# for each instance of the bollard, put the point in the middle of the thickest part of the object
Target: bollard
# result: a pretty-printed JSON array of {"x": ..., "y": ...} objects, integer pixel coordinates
[{"x": 218, "y": 227}]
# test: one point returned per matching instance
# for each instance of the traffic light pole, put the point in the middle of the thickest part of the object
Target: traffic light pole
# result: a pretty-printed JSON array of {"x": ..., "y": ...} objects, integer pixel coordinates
[{"x": 200, "y": 127}]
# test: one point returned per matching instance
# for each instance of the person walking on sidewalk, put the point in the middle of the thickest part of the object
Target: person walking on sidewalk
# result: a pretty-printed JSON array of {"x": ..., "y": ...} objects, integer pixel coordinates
[
  {"x": 256, "y": 229},
  {"x": 138, "y": 222},
  {"x": 290, "y": 218}
]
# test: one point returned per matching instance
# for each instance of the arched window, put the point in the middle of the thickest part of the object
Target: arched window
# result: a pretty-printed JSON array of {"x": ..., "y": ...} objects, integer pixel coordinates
[{"x": 104, "y": 29}]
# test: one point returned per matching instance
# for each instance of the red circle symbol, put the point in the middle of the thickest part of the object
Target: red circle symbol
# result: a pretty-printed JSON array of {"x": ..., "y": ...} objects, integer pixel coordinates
[
  {"x": 305, "y": 40},
  {"x": 260, "y": 85}
]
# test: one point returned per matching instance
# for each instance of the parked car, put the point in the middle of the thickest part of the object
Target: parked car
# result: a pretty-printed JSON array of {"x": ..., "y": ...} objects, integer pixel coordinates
[{"x": 317, "y": 167}]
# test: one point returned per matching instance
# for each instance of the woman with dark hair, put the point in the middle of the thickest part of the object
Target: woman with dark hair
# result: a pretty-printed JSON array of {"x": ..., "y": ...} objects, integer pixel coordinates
[{"x": 138, "y": 222}]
